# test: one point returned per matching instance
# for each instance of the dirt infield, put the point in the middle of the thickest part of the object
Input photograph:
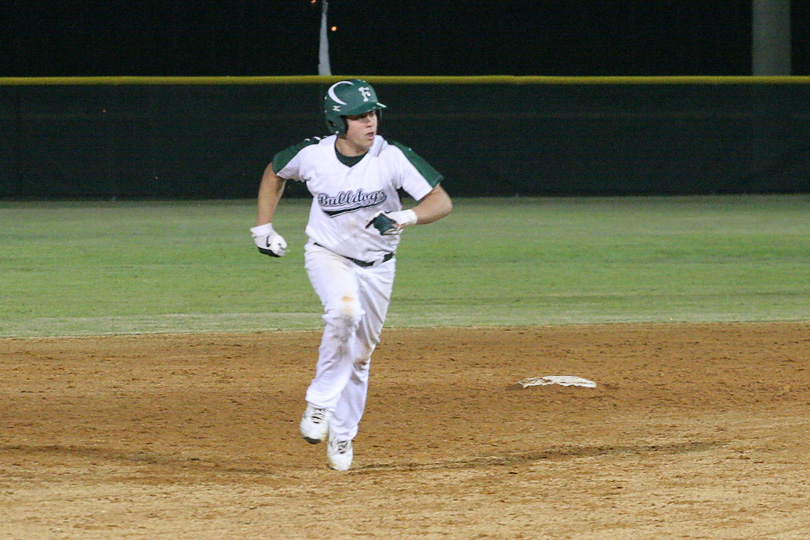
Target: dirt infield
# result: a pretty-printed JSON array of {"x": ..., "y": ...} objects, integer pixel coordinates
[{"x": 693, "y": 431}]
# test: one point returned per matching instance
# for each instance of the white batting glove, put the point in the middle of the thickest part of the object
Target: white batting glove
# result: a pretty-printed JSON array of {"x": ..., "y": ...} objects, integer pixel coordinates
[
  {"x": 269, "y": 241},
  {"x": 389, "y": 223}
]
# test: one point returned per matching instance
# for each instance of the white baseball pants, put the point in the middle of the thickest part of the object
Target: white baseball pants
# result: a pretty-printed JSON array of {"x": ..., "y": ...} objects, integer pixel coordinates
[{"x": 355, "y": 301}]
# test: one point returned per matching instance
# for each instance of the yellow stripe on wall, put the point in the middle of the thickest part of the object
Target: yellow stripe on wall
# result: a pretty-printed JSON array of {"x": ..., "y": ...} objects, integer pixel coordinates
[{"x": 317, "y": 79}]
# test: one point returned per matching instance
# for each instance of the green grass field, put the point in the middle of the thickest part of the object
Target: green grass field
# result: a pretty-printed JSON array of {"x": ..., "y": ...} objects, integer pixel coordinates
[{"x": 93, "y": 268}]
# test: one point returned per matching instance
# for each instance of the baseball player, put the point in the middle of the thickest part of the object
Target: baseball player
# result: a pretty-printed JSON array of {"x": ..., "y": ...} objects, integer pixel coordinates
[{"x": 354, "y": 227}]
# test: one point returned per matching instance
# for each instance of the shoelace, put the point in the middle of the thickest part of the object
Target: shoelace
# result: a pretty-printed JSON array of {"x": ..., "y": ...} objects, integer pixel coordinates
[
  {"x": 342, "y": 447},
  {"x": 318, "y": 416}
]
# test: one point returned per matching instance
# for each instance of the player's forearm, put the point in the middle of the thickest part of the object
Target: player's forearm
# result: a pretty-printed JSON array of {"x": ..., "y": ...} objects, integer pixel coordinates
[
  {"x": 434, "y": 206},
  {"x": 270, "y": 191}
]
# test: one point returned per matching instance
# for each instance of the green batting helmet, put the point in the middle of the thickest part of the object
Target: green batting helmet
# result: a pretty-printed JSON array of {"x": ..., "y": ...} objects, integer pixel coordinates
[{"x": 348, "y": 98}]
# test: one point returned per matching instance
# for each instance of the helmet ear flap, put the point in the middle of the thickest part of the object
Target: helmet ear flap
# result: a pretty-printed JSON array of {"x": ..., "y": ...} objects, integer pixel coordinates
[{"x": 337, "y": 125}]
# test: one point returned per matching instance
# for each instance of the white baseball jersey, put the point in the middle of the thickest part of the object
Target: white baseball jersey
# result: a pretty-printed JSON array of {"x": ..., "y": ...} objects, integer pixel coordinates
[{"x": 346, "y": 194}]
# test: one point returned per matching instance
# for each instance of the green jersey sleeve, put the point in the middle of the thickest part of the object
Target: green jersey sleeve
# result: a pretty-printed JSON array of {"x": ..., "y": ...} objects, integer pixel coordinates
[
  {"x": 430, "y": 174},
  {"x": 281, "y": 159}
]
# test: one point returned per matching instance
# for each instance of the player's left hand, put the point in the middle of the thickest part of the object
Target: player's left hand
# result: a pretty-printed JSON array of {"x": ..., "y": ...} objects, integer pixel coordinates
[
  {"x": 390, "y": 223},
  {"x": 269, "y": 241}
]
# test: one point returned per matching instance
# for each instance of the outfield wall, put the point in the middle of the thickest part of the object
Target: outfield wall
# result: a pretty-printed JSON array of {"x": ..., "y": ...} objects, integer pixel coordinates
[{"x": 176, "y": 137}]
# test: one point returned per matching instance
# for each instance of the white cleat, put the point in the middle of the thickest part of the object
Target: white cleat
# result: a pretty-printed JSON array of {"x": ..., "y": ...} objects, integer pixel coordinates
[
  {"x": 315, "y": 424},
  {"x": 340, "y": 454}
]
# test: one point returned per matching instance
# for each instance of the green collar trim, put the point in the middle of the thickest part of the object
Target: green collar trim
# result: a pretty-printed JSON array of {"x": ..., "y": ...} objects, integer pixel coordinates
[{"x": 349, "y": 161}]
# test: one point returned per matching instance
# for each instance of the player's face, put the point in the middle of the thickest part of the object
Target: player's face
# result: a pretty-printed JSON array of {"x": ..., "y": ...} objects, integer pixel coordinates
[{"x": 360, "y": 131}]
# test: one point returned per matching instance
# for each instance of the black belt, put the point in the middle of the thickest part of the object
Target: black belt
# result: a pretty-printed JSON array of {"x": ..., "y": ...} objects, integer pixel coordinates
[{"x": 363, "y": 264}]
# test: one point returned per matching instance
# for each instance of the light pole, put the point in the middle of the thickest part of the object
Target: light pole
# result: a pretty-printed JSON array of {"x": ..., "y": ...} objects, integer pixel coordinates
[
  {"x": 770, "y": 47},
  {"x": 323, "y": 49}
]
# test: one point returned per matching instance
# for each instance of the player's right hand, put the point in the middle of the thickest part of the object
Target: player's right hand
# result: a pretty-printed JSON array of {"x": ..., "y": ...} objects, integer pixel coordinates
[{"x": 269, "y": 241}]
